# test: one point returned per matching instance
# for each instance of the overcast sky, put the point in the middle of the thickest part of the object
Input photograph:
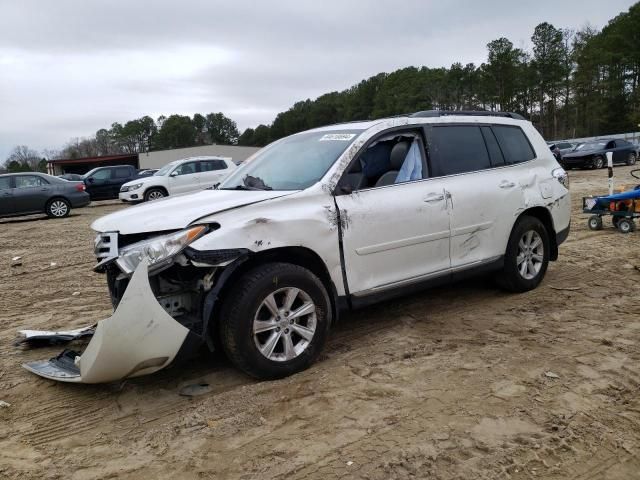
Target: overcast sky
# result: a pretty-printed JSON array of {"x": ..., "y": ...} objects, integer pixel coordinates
[{"x": 68, "y": 68}]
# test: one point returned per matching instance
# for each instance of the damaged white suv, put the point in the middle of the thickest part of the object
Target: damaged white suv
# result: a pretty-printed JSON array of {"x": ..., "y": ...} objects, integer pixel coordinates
[{"x": 325, "y": 220}]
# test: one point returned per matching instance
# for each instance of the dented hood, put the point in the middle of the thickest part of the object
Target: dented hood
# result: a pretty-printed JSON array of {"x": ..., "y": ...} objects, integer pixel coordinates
[{"x": 173, "y": 213}]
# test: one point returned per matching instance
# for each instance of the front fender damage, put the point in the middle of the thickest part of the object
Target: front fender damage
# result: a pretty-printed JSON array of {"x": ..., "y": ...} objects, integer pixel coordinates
[{"x": 138, "y": 339}]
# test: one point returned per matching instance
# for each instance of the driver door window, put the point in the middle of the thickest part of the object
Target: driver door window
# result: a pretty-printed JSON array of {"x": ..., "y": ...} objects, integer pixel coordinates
[{"x": 186, "y": 169}]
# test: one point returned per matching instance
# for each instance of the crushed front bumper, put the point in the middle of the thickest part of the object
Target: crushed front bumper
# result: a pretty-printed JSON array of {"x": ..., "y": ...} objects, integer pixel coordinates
[{"x": 138, "y": 339}]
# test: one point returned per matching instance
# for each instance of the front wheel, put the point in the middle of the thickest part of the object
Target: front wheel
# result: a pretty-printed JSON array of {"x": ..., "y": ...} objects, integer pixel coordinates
[
  {"x": 626, "y": 225},
  {"x": 527, "y": 256},
  {"x": 598, "y": 163},
  {"x": 58, "y": 208},
  {"x": 154, "y": 194},
  {"x": 631, "y": 159},
  {"x": 275, "y": 320}
]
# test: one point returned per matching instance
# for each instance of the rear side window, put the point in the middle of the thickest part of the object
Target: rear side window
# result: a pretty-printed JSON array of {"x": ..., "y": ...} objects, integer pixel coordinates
[
  {"x": 514, "y": 144},
  {"x": 457, "y": 149},
  {"x": 5, "y": 183},
  {"x": 27, "y": 181},
  {"x": 122, "y": 173},
  {"x": 209, "y": 165}
]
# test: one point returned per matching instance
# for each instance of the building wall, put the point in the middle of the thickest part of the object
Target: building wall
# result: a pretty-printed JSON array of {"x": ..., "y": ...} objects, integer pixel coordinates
[{"x": 160, "y": 158}]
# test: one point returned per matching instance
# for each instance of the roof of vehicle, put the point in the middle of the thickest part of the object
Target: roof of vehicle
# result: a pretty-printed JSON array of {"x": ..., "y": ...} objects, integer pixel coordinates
[{"x": 449, "y": 114}]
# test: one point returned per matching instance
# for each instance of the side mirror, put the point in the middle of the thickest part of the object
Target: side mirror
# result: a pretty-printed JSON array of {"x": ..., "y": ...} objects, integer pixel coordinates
[
  {"x": 91, "y": 179},
  {"x": 173, "y": 174}
]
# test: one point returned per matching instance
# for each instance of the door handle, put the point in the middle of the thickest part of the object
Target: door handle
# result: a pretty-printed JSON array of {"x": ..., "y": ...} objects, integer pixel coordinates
[
  {"x": 434, "y": 197},
  {"x": 507, "y": 184}
]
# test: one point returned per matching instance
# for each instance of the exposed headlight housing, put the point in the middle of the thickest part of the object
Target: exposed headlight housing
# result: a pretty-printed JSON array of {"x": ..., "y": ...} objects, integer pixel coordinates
[
  {"x": 159, "y": 251},
  {"x": 128, "y": 188}
]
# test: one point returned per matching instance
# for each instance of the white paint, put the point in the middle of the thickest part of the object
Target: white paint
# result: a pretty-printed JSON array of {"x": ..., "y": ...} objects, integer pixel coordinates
[
  {"x": 175, "y": 184},
  {"x": 139, "y": 333}
]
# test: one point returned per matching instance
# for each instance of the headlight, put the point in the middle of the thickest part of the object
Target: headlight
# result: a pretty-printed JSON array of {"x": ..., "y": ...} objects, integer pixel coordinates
[
  {"x": 158, "y": 250},
  {"x": 128, "y": 188},
  {"x": 562, "y": 176}
]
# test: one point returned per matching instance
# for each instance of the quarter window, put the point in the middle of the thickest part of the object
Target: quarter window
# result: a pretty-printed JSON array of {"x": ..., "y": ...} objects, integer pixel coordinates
[
  {"x": 514, "y": 144},
  {"x": 457, "y": 149}
]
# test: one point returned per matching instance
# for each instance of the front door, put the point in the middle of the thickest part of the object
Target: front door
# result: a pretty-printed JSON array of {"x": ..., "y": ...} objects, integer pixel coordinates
[
  {"x": 184, "y": 178},
  {"x": 395, "y": 227},
  {"x": 99, "y": 184}
]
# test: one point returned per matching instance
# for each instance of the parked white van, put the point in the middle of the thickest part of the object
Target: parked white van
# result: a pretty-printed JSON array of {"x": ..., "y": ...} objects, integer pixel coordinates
[{"x": 178, "y": 177}]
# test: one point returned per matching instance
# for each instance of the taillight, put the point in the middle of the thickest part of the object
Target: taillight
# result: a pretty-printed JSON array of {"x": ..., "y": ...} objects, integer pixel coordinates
[
  {"x": 560, "y": 175},
  {"x": 80, "y": 187}
]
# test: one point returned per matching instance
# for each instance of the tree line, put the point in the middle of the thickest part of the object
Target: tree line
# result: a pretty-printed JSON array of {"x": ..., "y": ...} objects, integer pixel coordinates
[{"x": 571, "y": 84}]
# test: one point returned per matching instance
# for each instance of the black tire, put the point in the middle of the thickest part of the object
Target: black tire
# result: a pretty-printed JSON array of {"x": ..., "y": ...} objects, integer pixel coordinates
[
  {"x": 615, "y": 220},
  {"x": 58, "y": 208},
  {"x": 595, "y": 222},
  {"x": 626, "y": 225},
  {"x": 244, "y": 303},
  {"x": 631, "y": 159},
  {"x": 598, "y": 162},
  {"x": 155, "y": 194},
  {"x": 510, "y": 278}
]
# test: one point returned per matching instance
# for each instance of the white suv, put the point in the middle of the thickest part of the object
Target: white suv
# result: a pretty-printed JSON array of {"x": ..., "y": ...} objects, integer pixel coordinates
[
  {"x": 178, "y": 177},
  {"x": 322, "y": 221}
]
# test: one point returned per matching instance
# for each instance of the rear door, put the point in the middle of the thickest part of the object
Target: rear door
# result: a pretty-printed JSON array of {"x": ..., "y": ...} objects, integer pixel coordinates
[
  {"x": 212, "y": 171},
  {"x": 6, "y": 196},
  {"x": 119, "y": 176},
  {"x": 184, "y": 178},
  {"x": 392, "y": 235},
  {"x": 481, "y": 186},
  {"x": 31, "y": 193}
]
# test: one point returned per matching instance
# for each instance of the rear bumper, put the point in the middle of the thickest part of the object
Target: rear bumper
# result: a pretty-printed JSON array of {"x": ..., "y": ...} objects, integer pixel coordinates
[{"x": 80, "y": 200}]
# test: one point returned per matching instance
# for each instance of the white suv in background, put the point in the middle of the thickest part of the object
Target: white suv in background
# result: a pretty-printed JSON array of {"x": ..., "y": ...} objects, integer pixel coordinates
[
  {"x": 326, "y": 220},
  {"x": 178, "y": 177}
]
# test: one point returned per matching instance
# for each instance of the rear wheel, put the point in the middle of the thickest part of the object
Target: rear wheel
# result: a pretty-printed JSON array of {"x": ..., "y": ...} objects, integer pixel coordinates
[
  {"x": 626, "y": 225},
  {"x": 154, "y": 194},
  {"x": 58, "y": 208},
  {"x": 631, "y": 159},
  {"x": 527, "y": 256},
  {"x": 595, "y": 222},
  {"x": 275, "y": 320}
]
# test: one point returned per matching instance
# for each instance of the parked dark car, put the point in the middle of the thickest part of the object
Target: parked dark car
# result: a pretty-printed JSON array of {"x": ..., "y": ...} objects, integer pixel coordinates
[
  {"x": 556, "y": 151},
  {"x": 73, "y": 177},
  {"x": 30, "y": 192},
  {"x": 565, "y": 147},
  {"x": 593, "y": 154},
  {"x": 103, "y": 183}
]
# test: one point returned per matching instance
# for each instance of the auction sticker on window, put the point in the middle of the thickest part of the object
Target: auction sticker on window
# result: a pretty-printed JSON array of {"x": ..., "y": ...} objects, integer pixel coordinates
[{"x": 340, "y": 137}]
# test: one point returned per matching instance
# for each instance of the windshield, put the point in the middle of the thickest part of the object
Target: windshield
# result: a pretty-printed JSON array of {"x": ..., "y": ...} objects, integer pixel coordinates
[
  {"x": 166, "y": 169},
  {"x": 591, "y": 146},
  {"x": 292, "y": 163}
]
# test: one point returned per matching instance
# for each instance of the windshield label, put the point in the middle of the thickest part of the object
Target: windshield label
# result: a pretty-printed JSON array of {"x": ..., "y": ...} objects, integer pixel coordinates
[{"x": 340, "y": 137}]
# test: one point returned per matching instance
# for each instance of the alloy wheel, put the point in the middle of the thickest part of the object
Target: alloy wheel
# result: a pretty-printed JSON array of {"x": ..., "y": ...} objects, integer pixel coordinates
[
  {"x": 58, "y": 208},
  {"x": 284, "y": 324},
  {"x": 530, "y": 255}
]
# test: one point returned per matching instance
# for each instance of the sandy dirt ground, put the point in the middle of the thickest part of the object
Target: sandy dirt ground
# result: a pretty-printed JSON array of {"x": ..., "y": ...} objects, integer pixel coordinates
[{"x": 448, "y": 384}]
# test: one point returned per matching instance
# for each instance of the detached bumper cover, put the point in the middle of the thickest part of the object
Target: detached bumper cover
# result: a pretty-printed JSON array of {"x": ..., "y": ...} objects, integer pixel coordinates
[{"x": 138, "y": 339}]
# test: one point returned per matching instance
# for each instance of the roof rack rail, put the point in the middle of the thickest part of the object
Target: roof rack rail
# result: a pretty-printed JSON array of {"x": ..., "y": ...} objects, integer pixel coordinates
[{"x": 470, "y": 113}]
